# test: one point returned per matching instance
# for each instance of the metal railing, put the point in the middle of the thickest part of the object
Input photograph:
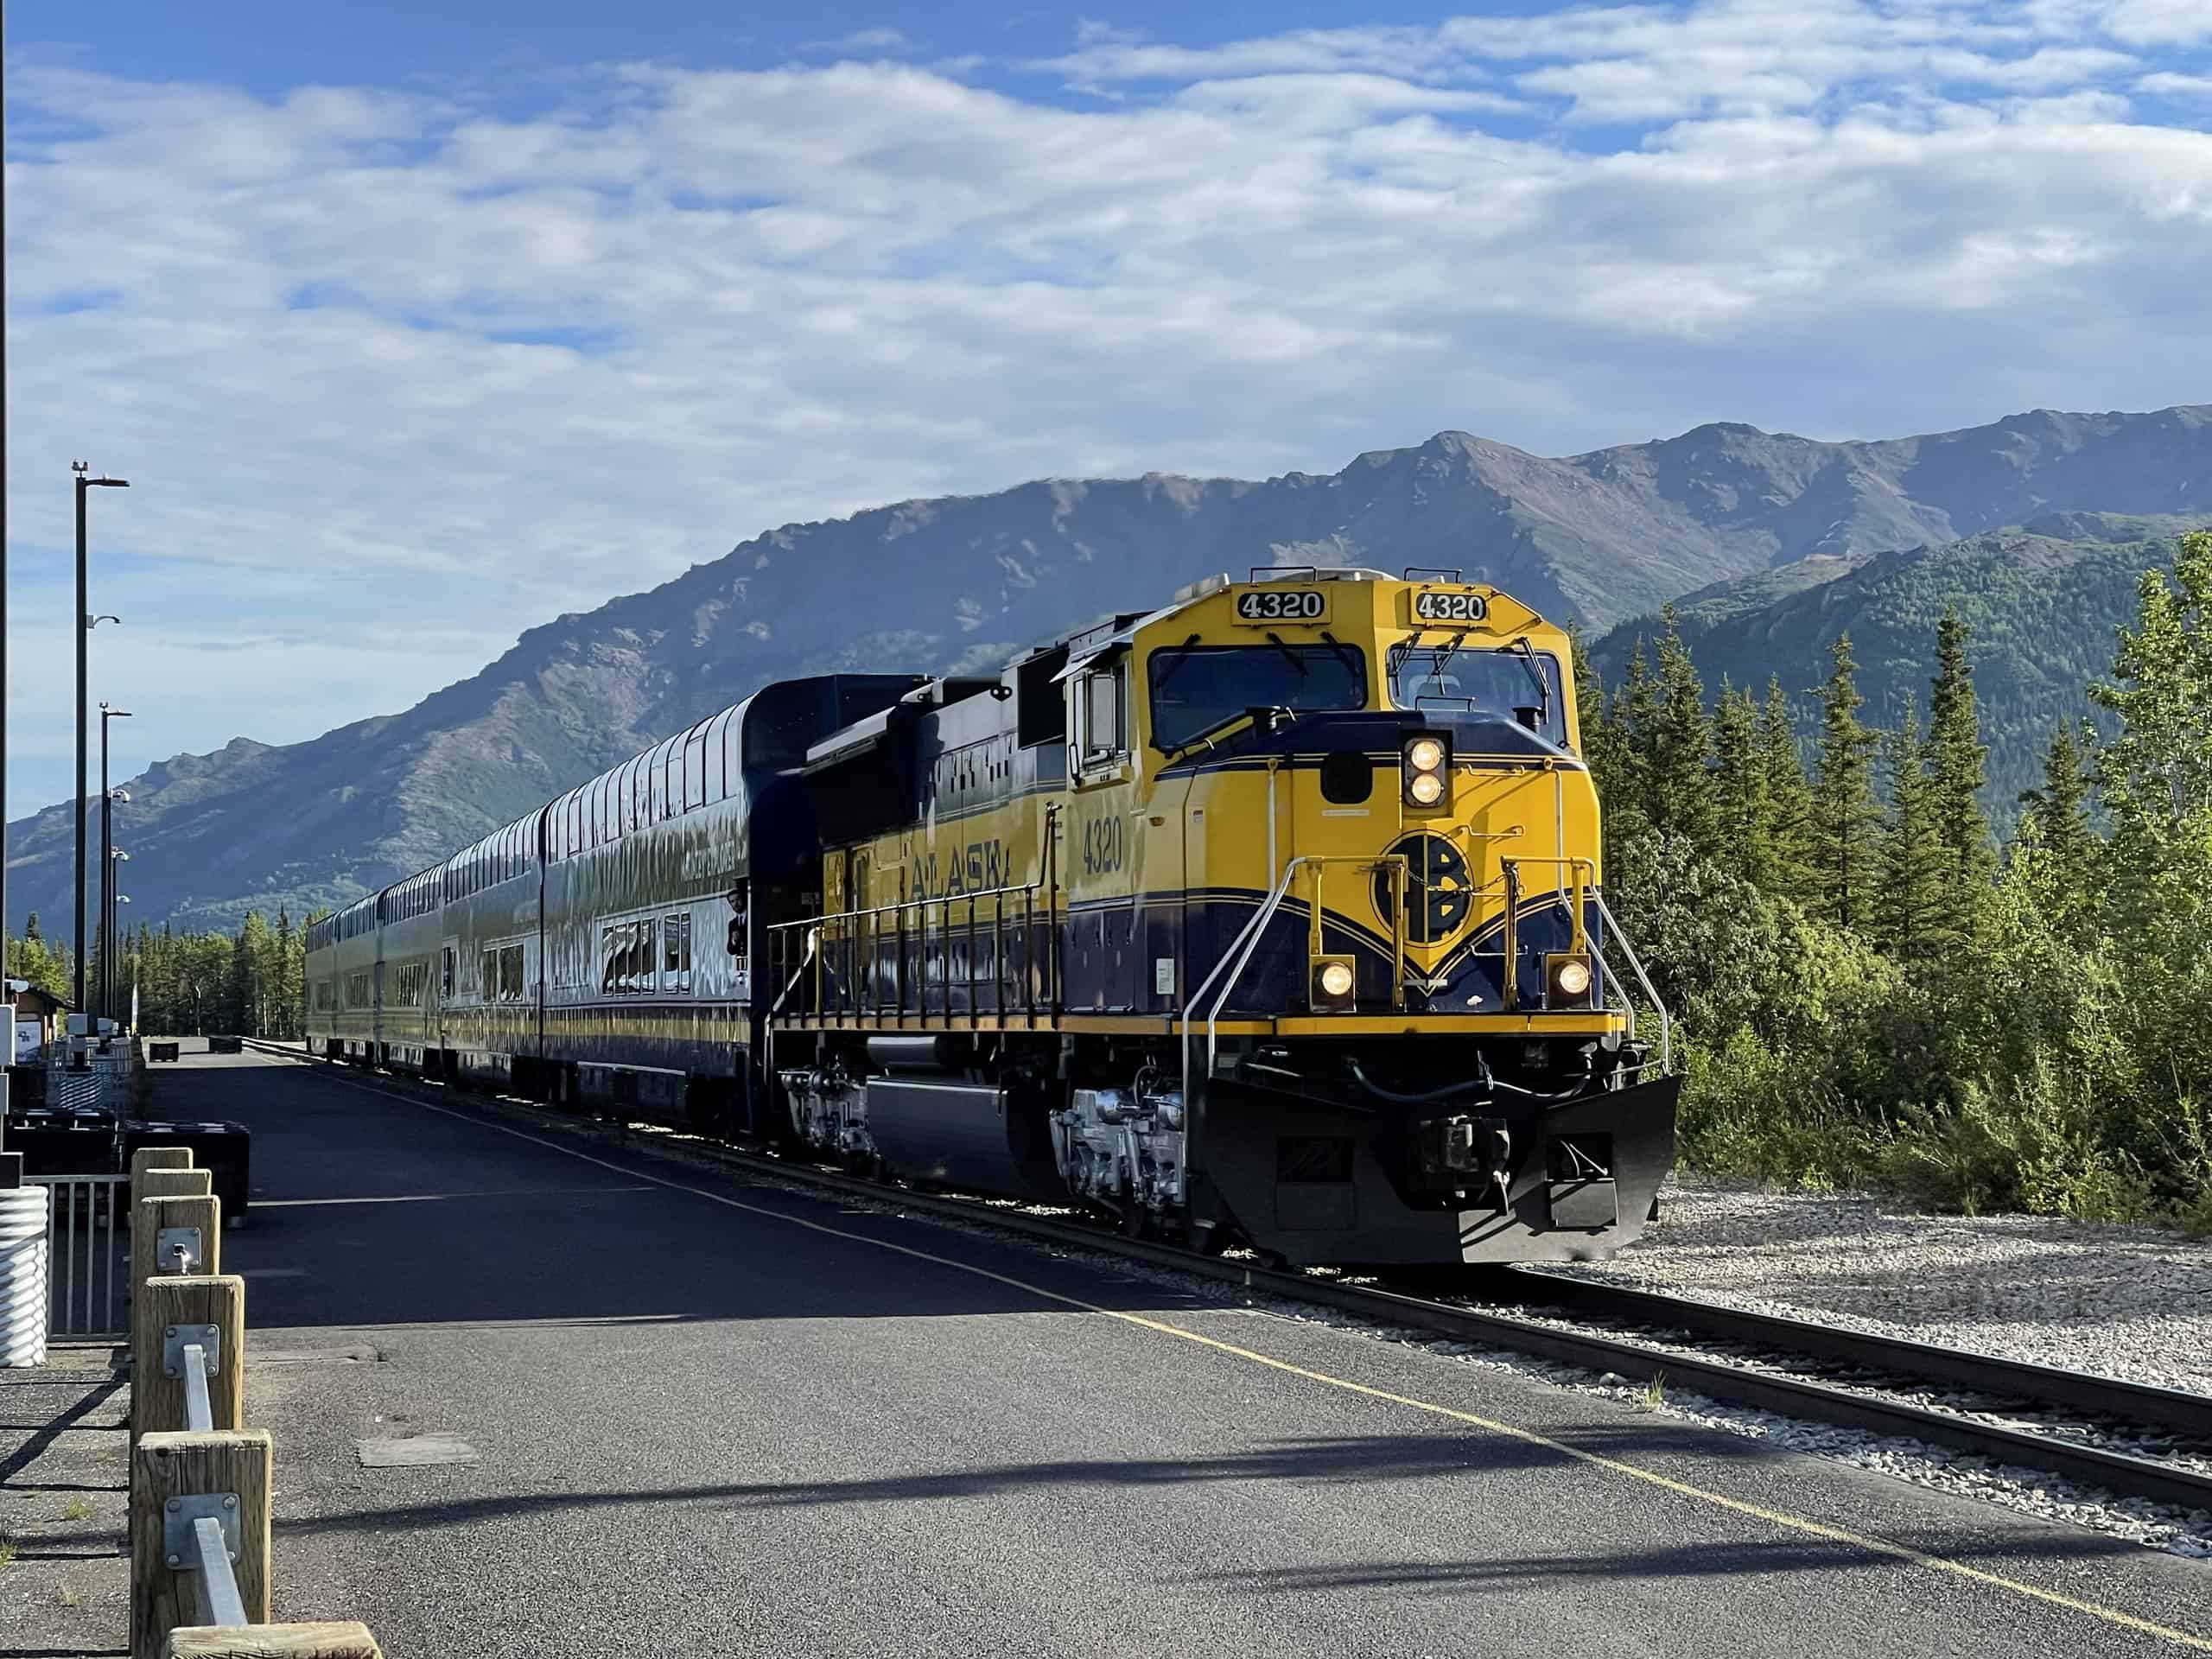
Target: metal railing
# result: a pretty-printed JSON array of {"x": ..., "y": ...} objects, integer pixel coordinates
[
  {"x": 1615, "y": 934},
  {"x": 955, "y": 959},
  {"x": 207, "y": 1554},
  {"x": 85, "y": 1213}
]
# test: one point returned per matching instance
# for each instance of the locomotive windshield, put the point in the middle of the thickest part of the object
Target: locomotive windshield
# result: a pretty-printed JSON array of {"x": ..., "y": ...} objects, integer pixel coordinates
[
  {"x": 1495, "y": 680},
  {"x": 1197, "y": 687}
]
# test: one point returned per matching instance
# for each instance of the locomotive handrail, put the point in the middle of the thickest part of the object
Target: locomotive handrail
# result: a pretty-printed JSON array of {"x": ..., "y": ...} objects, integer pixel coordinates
[
  {"x": 1247, "y": 942},
  {"x": 1666, "y": 1022},
  {"x": 975, "y": 925},
  {"x": 1250, "y": 932}
]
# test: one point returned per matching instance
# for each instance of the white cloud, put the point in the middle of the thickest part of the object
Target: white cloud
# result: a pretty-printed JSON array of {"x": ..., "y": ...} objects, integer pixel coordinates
[
  {"x": 879, "y": 40},
  {"x": 396, "y": 377}
]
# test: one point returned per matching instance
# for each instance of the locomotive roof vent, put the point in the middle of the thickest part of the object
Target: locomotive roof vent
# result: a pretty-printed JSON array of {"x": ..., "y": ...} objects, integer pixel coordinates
[
  {"x": 1200, "y": 588},
  {"x": 1316, "y": 573}
]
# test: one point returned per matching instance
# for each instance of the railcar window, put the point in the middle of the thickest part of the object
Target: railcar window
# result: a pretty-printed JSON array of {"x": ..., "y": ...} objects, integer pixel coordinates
[
  {"x": 445, "y": 974},
  {"x": 642, "y": 974},
  {"x": 511, "y": 980},
  {"x": 1196, "y": 688},
  {"x": 695, "y": 770},
  {"x": 1486, "y": 679},
  {"x": 718, "y": 758},
  {"x": 676, "y": 953}
]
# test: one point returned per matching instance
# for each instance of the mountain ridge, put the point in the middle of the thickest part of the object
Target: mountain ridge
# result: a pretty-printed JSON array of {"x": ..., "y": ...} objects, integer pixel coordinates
[{"x": 941, "y": 583}]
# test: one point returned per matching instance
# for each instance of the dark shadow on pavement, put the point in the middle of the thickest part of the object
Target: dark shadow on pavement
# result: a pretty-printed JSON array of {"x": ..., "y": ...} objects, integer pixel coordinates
[{"x": 369, "y": 1210}]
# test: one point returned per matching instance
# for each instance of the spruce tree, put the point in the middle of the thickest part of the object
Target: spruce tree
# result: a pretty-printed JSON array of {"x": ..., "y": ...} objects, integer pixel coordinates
[
  {"x": 1957, "y": 767},
  {"x": 1628, "y": 728},
  {"x": 1789, "y": 800},
  {"x": 1679, "y": 773},
  {"x": 1843, "y": 797},
  {"x": 2056, "y": 821},
  {"x": 2060, "y": 810},
  {"x": 1913, "y": 852},
  {"x": 2156, "y": 774},
  {"x": 1742, "y": 812}
]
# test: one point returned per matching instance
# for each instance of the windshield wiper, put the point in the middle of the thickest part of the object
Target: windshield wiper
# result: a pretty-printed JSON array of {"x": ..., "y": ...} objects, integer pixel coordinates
[
  {"x": 1288, "y": 655},
  {"x": 1526, "y": 653},
  {"x": 1205, "y": 734},
  {"x": 1344, "y": 652},
  {"x": 1438, "y": 657},
  {"x": 1182, "y": 661}
]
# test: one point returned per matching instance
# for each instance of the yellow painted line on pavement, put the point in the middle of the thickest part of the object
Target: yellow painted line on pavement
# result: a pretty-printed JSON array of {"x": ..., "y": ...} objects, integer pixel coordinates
[
  {"x": 1788, "y": 1522},
  {"x": 443, "y": 1198}
]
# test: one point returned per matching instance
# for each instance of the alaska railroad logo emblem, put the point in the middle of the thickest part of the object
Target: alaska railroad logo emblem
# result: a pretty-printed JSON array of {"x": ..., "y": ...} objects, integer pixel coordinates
[{"x": 1437, "y": 896}]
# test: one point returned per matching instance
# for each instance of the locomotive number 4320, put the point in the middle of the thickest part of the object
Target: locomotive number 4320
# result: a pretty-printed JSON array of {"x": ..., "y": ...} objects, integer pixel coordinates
[
  {"x": 1430, "y": 605},
  {"x": 1283, "y": 604}
]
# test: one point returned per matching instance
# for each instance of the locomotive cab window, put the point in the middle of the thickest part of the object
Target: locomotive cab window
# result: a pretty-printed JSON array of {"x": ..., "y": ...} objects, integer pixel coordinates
[
  {"x": 1101, "y": 716},
  {"x": 1198, "y": 688},
  {"x": 1523, "y": 686}
]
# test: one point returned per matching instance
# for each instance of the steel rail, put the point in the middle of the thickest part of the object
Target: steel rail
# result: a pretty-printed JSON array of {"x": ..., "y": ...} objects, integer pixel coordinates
[
  {"x": 1719, "y": 1380},
  {"x": 2049, "y": 1387}
]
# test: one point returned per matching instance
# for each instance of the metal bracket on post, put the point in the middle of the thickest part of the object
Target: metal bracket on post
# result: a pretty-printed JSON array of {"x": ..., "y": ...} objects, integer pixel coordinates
[
  {"x": 176, "y": 1338},
  {"x": 176, "y": 1249},
  {"x": 177, "y": 1518}
]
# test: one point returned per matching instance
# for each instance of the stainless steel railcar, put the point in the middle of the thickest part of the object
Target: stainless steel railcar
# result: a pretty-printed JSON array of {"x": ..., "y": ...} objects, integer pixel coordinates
[{"x": 601, "y": 948}]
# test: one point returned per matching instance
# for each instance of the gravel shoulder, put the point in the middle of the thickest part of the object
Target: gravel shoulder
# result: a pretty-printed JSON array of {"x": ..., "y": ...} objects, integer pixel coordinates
[{"x": 2130, "y": 1302}]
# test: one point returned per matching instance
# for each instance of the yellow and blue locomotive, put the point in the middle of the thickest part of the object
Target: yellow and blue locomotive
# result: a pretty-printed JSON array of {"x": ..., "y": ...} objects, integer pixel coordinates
[{"x": 1271, "y": 917}]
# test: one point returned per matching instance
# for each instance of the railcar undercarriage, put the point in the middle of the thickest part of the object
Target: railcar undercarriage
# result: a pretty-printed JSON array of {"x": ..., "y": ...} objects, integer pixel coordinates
[{"x": 1398, "y": 1151}]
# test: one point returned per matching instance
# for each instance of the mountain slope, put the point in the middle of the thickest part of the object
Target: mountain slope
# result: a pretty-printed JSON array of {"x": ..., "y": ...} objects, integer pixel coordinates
[
  {"x": 963, "y": 580},
  {"x": 2043, "y": 602}
]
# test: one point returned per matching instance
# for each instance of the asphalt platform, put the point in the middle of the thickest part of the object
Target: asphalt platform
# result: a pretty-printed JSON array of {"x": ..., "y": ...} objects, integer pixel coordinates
[{"x": 533, "y": 1395}]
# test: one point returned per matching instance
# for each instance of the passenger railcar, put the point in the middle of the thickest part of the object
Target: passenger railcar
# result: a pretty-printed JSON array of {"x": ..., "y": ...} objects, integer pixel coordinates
[
  {"x": 408, "y": 936},
  {"x": 1274, "y": 916},
  {"x": 601, "y": 948}
]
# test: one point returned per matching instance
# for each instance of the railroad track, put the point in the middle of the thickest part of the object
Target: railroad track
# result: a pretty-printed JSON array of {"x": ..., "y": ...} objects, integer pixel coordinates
[{"x": 1794, "y": 1368}]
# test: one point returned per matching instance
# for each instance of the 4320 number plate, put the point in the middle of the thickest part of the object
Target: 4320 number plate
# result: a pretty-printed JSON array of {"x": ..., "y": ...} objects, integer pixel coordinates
[
  {"x": 1283, "y": 604},
  {"x": 1433, "y": 607}
]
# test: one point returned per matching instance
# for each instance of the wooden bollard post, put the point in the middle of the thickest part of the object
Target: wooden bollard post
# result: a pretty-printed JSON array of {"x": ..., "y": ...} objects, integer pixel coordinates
[
  {"x": 164, "y": 1184},
  {"x": 204, "y": 1211},
  {"x": 276, "y": 1642},
  {"x": 148, "y": 1158},
  {"x": 178, "y": 1301},
  {"x": 233, "y": 1463}
]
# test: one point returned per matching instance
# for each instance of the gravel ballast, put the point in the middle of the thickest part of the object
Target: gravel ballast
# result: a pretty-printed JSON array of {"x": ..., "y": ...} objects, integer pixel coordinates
[{"x": 2129, "y": 1302}]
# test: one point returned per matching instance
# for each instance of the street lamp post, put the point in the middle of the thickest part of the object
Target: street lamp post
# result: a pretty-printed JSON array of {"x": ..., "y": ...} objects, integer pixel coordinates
[
  {"x": 108, "y": 855},
  {"x": 83, "y": 639}
]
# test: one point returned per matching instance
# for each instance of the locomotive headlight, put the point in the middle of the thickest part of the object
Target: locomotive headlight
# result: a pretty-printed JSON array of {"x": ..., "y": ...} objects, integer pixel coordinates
[
  {"x": 1425, "y": 760},
  {"x": 1567, "y": 979},
  {"x": 1334, "y": 984}
]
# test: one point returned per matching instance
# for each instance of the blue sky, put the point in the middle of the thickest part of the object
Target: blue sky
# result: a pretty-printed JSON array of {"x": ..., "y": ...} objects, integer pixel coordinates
[{"x": 415, "y": 326}]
